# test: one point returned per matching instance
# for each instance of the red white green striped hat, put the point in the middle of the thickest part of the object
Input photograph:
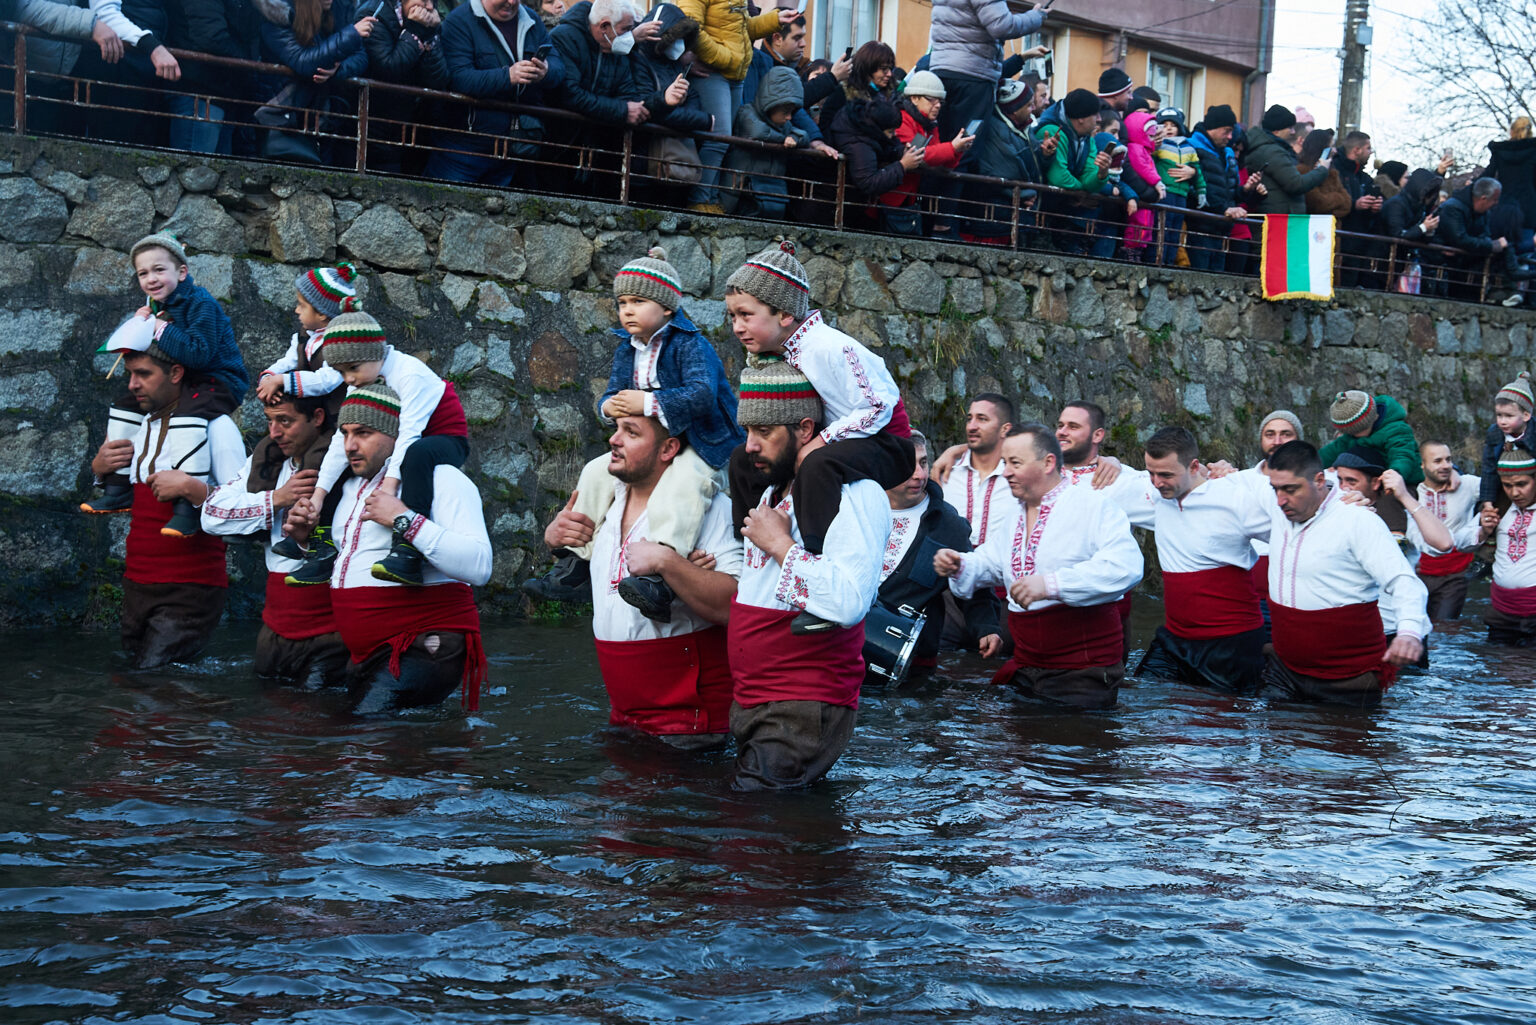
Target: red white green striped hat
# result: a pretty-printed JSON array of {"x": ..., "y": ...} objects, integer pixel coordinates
[
  {"x": 774, "y": 393},
  {"x": 331, "y": 290},
  {"x": 353, "y": 338},
  {"x": 1517, "y": 460},
  {"x": 1352, "y": 408},
  {"x": 650, "y": 277},
  {"x": 373, "y": 405},
  {"x": 775, "y": 278},
  {"x": 1518, "y": 391}
]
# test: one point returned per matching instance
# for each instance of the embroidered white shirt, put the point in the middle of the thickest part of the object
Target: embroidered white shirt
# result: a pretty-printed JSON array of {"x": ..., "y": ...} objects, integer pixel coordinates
[
  {"x": 231, "y": 510},
  {"x": 985, "y": 502},
  {"x": 155, "y": 448},
  {"x": 1456, "y": 508},
  {"x": 454, "y": 541},
  {"x": 857, "y": 390},
  {"x": 904, "y": 529},
  {"x": 1208, "y": 528},
  {"x": 1514, "y": 559}
]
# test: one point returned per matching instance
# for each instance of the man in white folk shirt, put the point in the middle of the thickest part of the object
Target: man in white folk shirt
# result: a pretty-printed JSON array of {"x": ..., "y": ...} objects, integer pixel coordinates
[
  {"x": 796, "y": 695},
  {"x": 1451, "y": 497},
  {"x": 298, "y": 641},
  {"x": 1068, "y": 559},
  {"x": 670, "y": 680},
  {"x": 1213, "y": 634},
  {"x": 410, "y": 646},
  {"x": 1332, "y": 568},
  {"x": 1512, "y": 621},
  {"x": 977, "y": 490}
]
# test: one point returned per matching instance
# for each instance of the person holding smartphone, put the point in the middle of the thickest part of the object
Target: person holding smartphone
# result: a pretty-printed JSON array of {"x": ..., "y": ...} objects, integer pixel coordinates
[
  {"x": 404, "y": 48},
  {"x": 922, "y": 102}
]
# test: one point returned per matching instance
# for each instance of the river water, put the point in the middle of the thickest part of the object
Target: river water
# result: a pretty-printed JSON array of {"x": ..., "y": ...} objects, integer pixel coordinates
[{"x": 191, "y": 846}]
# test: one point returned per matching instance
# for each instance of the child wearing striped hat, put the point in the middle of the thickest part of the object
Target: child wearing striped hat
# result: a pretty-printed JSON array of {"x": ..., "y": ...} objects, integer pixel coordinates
[
  {"x": 1375, "y": 421},
  {"x": 664, "y": 368},
  {"x": 1512, "y": 408},
  {"x": 1512, "y": 620},
  {"x": 433, "y": 432}
]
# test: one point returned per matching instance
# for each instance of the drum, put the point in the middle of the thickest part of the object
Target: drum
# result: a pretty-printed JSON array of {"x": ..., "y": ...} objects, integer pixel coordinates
[{"x": 889, "y": 640}]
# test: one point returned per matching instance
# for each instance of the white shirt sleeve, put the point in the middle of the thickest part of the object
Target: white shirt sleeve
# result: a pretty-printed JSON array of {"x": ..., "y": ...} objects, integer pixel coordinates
[
  {"x": 456, "y": 542},
  {"x": 861, "y": 384},
  {"x": 230, "y": 509},
  {"x": 420, "y": 391},
  {"x": 718, "y": 538},
  {"x": 1401, "y": 589},
  {"x": 226, "y": 450},
  {"x": 1110, "y": 572},
  {"x": 986, "y": 566},
  {"x": 334, "y": 462},
  {"x": 110, "y": 14},
  {"x": 840, "y": 584}
]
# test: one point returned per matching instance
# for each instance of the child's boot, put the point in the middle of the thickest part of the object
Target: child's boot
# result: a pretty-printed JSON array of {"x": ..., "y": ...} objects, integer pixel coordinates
[
  {"x": 402, "y": 565},
  {"x": 570, "y": 580},
  {"x": 185, "y": 447},
  {"x": 319, "y": 559},
  {"x": 650, "y": 594},
  {"x": 184, "y": 521},
  {"x": 116, "y": 491}
]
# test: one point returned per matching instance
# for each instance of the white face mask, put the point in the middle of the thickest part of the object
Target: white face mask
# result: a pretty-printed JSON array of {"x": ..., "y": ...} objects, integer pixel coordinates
[
  {"x": 623, "y": 44},
  {"x": 674, "y": 50}
]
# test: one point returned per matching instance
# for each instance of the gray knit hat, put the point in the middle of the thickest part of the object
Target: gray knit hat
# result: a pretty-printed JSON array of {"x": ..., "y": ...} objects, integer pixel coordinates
[
  {"x": 774, "y": 393},
  {"x": 776, "y": 278},
  {"x": 160, "y": 240},
  {"x": 353, "y": 338},
  {"x": 1351, "y": 408},
  {"x": 373, "y": 405},
  {"x": 330, "y": 290},
  {"x": 1287, "y": 416},
  {"x": 650, "y": 277},
  {"x": 1518, "y": 391}
]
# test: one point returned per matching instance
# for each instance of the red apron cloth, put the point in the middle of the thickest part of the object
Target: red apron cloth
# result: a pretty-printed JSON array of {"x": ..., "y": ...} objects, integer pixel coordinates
[
  {"x": 448, "y": 418},
  {"x": 1513, "y": 601},
  {"x": 768, "y": 663},
  {"x": 154, "y": 558},
  {"x": 1261, "y": 577},
  {"x": 670, "y": 684},
  {"x": 899, "y": 424},
  {"x": 297, "y": 612},
  {"x": 1445, "y": 565},
  {"x": 1064, "y": 637},
  {"x": 1331, "y": 644},
  {"x": 369, "y": 617},
  {"x": 1210, "y": 603}
]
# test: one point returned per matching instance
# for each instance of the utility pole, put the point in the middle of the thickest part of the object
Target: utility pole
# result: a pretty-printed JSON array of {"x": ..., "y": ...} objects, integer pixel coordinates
[{"x": 1357, "y": 36}]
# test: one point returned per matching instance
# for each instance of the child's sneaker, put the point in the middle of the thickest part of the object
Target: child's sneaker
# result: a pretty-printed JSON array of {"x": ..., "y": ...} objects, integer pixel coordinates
[
  {"x": 318, "y": 561},
  {"x": 650, "y": 594},
  {"x": 184, "y": 521},
  {"x": 288, "y": 548},
  {"x": 570, "y": 580},
  {"x": 402, "y": 565},
  {"x": 115, "y": 498}
]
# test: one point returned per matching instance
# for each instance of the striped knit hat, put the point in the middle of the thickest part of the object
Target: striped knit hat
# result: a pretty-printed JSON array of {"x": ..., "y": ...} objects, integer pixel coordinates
[
  {"x": 1518, "y": 391},
  {"x": 776, "y": 278},
  {"x": 1517, "y": 460},
  {"x": 1351, "y": 409},
  {"x": 650, "y": 277},
  {"x": 774, "y": 393},
  {"x": 160, "y": 240},
  {"x": 330, "y": 290},
  {"x": 353, "y": 338},
  {"x": 373, "y": 405}
]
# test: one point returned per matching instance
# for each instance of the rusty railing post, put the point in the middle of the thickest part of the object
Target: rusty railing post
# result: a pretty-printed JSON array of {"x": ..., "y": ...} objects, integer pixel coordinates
[
  {"x": 629, "y": 149},
  {"x": 20, "y": 116},
  {"x": 1160, "y": 236},
  {"x": 1482, "y": 295},
  {"x": 1013, "y": 232},
  {"x": 363, "y": 95},
  {"x": 842, "y": 187}
]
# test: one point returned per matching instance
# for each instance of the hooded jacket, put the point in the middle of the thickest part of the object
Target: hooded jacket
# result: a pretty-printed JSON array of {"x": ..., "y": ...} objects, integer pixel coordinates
[
  {"x": 57, "y": 18},
  {"x": 966, "y": 37},
  {"x": 779, "y": 88},
  {"x": 654, "y": 70},
  {"x": 1139, "y": 173},
  {"x": 1402, "y": 215},
  {"x": 406, "y": 53},
  {"x": 1275, "y": 161},
  {"x": 228, "y": 28},
  {"x": 1514, "y": 165},
  {"x": 342, "y": 49},
  {"x": 1222, "y": 176},
  {"x": 1391, "y": 436},
  {"x": 477, "y": 57},
  {"x": 1003, "y": 150},
  {"x": 814, "y": 91},
  {"x": 874, "y": 159},
  {"x": 726, "y": 33},
  {"x": 1463, "y": 227},
  {"x": 1072, "y": 167}
]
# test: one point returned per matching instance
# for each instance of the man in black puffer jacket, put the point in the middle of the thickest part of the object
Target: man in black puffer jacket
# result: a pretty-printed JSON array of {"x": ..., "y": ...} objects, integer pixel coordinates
[
  {"x": 1212, "y": 140},
  {"x": 1464, "y": 226}
]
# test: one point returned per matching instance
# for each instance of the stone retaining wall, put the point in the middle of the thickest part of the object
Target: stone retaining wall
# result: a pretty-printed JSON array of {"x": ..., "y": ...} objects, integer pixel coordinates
[{"x": 509, "y": 296}]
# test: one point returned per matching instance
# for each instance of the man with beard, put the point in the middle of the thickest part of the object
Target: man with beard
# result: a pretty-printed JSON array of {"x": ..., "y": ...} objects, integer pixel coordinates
[
  {"x": 1363, "y": 471},
  {"x": 298, "y": 642},
  {"x": 1066, "y": 562},
  {"x": 1213, "y": 634},
  {"x": 173, "y": 586},
  {"x": 410, "y": 645},
  {"x": 1451, "y": 498},
  {"x": 1512, "y": 620},
  {"x": 1277, "y": 428},
  {"x": 1332, "y": 566},
  {"x": 796, "y": 695},
  {"x": 976, "y": 488},
  {"x": 667, "y": 679}
]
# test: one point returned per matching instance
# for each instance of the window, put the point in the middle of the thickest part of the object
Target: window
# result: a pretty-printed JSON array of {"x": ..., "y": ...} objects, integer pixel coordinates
[
  {"x": 844, "y": 23},
  {"x": 1173, "y": 82}
]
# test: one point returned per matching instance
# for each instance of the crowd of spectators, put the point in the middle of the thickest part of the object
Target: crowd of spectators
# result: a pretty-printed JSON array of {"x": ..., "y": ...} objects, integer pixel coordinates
[{"x": 1129, "y": 176}]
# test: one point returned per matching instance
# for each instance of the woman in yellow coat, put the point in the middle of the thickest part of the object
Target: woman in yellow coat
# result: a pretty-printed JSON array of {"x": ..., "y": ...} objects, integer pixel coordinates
[{"x": 722, "y": 44}]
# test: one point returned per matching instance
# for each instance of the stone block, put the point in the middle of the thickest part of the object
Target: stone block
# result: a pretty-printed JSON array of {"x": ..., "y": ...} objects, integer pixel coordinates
[
  {"x": 401, "y": 292},
  {"x": 1496, "y": 341},
  {"x": 273, "y": 281},
  {"x": 466, "y": 357},
  {"x": 204, "y": 225},
  {"x": 36, "y": 391},
  {"x": 478, "y": 245},
  {"x": 556, "y": 254},
  {"x": 559, "y": 419},
  {"x": 1338, "y": 327},
  {"x": 864, "y": 288},
  {"x": 493, "y": 303},
  {"x": 594, "y": 313},
  {"x": 101, "y": 272},
  {"x": 498, "y": 356},
  {"x": 826, "y": 277},
  {"x": 382, "y": 236},
  {"x": 30, "y": 213},
  {"x": 303, "y": 230},
  {"x": 17, "y": 266},
  {"x": 115, "y": 213},
  {"x": 1050, "y": 305},
  {"x": 1012, "y": 300},
  {"x": 1262, "y": 322},
  {"x": 483, "y": 405},
  {"x": 155, "y": 174},
  {"x": 1086, "y": 307},
  {"x": 1421, "y": 331},
  {"x": 864, "y": 326},
  {"x": 1196, "y": 400},
  {"x": 918, "y": 289},
  {"x": 965, "y": 296},
  {"x": 986, "y": 335},
  {"x": 459, "y": 291},
  {"x": 506, "y": 463},
  {"x": 347, "y": 211},
  {"x": 1471, "y": 336},
  {"x": 728, "y": 253},
  {"x": 70, "y": 185},
  {"x": 199, "y": 178},
  {"x": 693, "y": 267},
  {"x": 1186, "y": 318},
  {"x": 1158, "y": 312},
  {"x": 707, "y": 314},
  {"x": 38, "y": 463},
  {"x": 552, "y": 362},
  {"x": 214, "y": 272},
  {"x": 1445, "y": 337}
]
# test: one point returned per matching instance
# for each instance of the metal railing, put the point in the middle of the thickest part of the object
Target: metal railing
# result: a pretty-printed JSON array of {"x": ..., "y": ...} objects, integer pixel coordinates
[{"x": 586, "y": 158}]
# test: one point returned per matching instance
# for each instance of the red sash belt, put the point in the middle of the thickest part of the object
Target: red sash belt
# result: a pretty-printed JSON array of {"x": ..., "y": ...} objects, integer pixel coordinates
[
  {"x": 369, "y": 617},
  {"x": 1445, "y": 565},
  {"x": 1331, "y": 644},
  {"x": 669, "y": 684},
  {"x": 1210, "y": 603},
  {"x": 297, "y": 612},
  {"x": 768, "y": 663},
  {"x": 448, "y": 418},
  {"x": 1261, "y": 577},
  {"x": 154, "y": 558},
  {"x": 1513, "y": 601},
  {"x": 1064, "y": 637}
]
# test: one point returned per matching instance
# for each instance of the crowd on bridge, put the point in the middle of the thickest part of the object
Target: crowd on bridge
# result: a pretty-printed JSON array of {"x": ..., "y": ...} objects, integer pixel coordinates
[
  {"x": 757, "y": 552},
  {"x": 1111, "y": 151}
]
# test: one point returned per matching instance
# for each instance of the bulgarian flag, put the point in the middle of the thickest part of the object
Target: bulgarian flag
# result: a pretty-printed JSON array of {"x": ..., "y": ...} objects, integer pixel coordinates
[{"x": 1297, "y": 261}]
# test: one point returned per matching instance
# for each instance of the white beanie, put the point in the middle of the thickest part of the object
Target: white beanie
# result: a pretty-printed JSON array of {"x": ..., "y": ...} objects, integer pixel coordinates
[{"x": 923, "y": 83}]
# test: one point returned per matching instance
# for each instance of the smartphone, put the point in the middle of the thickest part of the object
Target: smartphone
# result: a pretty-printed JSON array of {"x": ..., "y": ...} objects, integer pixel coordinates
[
  {"x": 973, "y": 127},
  {"x": 919, "y": 141},
  {"x": 542, "y": 53},
  {"x": 848, "y": 53},
  {"x": 687, "y": 68}
]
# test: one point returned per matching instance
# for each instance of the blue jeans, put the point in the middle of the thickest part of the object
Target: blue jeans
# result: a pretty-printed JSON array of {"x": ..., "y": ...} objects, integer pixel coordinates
[
  {"x": 719, "y": 97},
  {"x": 470, "y": 167},
  {"x": 208, "y": 134},
  {"x": 1205, "y": 250},
  {"x": 1173, "y": 223}
]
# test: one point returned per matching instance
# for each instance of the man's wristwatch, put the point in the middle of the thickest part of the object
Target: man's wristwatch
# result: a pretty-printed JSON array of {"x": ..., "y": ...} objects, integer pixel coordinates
[{"x": 403, "y": 522}]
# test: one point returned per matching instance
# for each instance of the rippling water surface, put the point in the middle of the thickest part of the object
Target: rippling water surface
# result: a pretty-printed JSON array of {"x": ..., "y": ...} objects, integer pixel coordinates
[{"x": 191, "y": 846}]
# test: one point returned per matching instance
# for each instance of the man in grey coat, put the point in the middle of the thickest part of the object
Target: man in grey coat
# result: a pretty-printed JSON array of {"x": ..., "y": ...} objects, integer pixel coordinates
[
  {"x": 1269, "y": 152},
  {"x": 966, "y": 42}
]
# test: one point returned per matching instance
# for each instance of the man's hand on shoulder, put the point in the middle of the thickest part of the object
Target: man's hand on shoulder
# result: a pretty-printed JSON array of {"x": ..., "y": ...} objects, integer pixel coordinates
[{"x": 1107, "y": 473}]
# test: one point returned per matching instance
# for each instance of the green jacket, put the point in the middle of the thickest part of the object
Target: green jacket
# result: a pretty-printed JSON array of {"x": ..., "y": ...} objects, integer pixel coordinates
[{"x": 1391, "y": 436}]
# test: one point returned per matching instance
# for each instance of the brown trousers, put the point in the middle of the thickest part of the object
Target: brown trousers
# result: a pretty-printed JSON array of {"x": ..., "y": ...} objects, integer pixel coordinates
[
  {"x": 168, "y": 622},
  {"x": 783, "y": 745},
  {"x": 1363, "y": 691},
  {"x": 1447, "y": 594},
  {"x": 311, "y": 662},
  {"x": 1092, "y": 687}
]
